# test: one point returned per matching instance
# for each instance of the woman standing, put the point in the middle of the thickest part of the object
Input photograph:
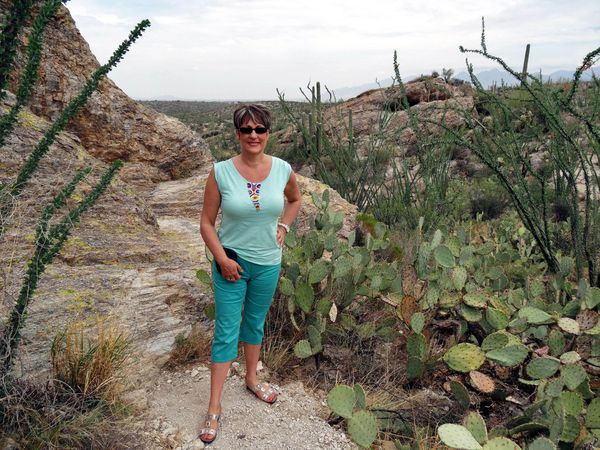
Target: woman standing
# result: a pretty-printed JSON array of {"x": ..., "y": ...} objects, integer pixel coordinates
[{"x": 249, "y": 189}]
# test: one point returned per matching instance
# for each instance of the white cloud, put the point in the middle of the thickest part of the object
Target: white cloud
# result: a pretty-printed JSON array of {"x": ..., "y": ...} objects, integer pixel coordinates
[{"x": 228, "y": 49}]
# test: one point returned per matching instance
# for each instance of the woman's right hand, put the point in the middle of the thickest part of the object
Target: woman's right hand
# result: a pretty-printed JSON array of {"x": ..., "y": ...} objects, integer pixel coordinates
[{"x": 230, "y": 270}]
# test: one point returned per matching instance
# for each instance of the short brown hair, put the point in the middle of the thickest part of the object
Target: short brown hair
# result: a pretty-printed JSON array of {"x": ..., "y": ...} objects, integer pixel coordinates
[{"x": 254, "y": 111}]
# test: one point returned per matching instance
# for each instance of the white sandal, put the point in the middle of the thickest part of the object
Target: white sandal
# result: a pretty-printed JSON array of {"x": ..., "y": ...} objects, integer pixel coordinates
[
  {"x": 212, "y": 432},
  {"x": 263, "y": 394}
]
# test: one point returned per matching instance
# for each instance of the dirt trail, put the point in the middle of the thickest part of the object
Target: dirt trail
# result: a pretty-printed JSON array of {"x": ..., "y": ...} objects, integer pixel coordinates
[{"x": 177, "y": 400}]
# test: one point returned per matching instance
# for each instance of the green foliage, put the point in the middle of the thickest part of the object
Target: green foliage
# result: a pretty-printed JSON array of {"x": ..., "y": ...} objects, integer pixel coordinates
[
  {"x": 514, "y": 127},
  {"x": 324, "y": 277},
  {"x": 344, "y": 400}
]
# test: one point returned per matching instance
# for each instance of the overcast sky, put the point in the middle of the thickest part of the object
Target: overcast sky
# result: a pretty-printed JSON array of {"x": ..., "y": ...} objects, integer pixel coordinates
[{"x": 246, "y": 49}]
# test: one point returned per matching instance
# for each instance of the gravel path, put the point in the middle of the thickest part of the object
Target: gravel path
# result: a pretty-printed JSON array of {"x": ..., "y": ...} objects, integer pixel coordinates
[{"x": 178, "y": 402}]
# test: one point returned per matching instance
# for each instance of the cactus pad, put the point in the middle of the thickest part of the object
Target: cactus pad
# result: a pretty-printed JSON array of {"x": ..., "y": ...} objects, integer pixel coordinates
[
  {"x": 482, "y": 382},
  {"x": 416, "y": 346},
  {"x": 475, "y": 299},
  {"x": 501, "y": 443},
  {"x": 341, "y": 400},
  {"x": 304, "y": 296},
  {"x": 464, "y": 357},
  {"x": 535, "y": 316},
  {"x": 556, "y": 342},
  {"x": 470, "y": 314},
  {"x": 571, "y": 429},
  {"x": 457, "y": 436},
  {"x": 314, "y": 338},
  {"x": 587, "y": 319},
  {"x": 494, "y": 341},
  {"x": 476, "y": 425},
  {"x": 362, "y": 428},
  {"x": 569, "y": 325},
  {"x": 414, "y": 368},
  {"x": 444, "y": 256},
  {"x": 318, "y": 271},
  {"x": 460, "y": 394},
  {"x": 541, "y": 443},
  {"x": 573, "y": 375},
  {"x": 361, "y": 396},
  {"x": 496, "y": 318},
  {"x": 592, "y": 418},
  {"x": 459, "y": 278},
  {"x": 417, "y": 322},
  {"x": 540, "y": 368},
  {"x": 286, "y": 287},
  {"x": 302, "y": 349},
  {"x": 592, "y": 297},
  {"x": 572, "y": 403},
  {"x": 509, "y": 356},
  {"x": 570, "y": 358}
]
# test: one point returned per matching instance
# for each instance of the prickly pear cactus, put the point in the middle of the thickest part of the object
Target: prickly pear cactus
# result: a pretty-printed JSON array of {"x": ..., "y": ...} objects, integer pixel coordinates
[
  {"x": 540, "y": 368},
  {"x": 302, "y": 349},
  {"x": 541, "y": 443},
  {"x": 509, "y": 356},
  {"x": 457, "y": 436},
  {"x": 362, "y": 427},
  {"x": 341, "y": 400},
  {"x": 464, "y": 357},
  {"x": 482, "y": 382},
  {"x": 501, "y": 443},
  {"x": 476, "y": 425},
  {"x": 460, "y": 394}
]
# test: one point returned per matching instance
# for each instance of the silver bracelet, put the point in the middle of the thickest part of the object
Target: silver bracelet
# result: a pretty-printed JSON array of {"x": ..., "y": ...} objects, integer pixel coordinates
[{"x": 284, "y": 226}]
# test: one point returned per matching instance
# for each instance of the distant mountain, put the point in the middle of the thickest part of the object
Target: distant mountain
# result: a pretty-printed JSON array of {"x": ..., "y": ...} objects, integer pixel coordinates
[
  {"x": 499, "y": 77},
  {"x": 486, "y": 77}
]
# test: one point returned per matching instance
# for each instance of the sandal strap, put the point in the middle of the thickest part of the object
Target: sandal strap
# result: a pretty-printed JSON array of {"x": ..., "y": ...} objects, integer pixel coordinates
[
  {"x": 265, "y": 393},
  {"x": 216, "y": 417},
  {"x": 209, "y": 431}
]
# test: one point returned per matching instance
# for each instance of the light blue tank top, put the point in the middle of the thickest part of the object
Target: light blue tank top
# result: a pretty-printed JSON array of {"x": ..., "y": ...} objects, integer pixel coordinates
[{"x": 250, "y": 211}]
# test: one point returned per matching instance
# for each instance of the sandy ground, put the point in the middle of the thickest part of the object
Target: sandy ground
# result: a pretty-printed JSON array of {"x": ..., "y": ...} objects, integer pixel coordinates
[{"x": 296, "y": 421}]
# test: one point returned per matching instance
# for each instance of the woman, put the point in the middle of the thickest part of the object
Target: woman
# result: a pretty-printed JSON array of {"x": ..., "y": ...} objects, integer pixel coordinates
[{"x": 249, "y": 189}]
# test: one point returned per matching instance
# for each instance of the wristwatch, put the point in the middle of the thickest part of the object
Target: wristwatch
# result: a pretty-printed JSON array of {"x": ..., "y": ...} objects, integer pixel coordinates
[{"x": 284, "y": 226}]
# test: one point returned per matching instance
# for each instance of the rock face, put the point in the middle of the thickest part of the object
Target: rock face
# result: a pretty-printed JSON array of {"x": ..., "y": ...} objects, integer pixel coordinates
[
  {"x": 132, "y": 259},
  {"x": 111, "y": 125}
]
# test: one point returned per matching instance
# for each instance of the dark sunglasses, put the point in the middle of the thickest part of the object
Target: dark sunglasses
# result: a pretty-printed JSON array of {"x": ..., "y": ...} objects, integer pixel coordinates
[{"x": 249, "y": 130}]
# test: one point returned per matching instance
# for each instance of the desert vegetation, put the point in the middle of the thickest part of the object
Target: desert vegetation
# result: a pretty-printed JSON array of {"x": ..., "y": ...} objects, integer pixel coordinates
[{"x": 463, "y": 309}]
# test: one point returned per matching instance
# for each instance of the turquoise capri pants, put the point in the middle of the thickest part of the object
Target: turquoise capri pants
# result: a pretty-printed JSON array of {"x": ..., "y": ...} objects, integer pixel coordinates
[{"x": 244, "y": 301}]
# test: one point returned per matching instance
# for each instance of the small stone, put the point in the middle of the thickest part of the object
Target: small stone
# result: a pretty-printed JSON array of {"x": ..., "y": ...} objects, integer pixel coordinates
[
  {"x": 194, "y": 373},
  {"x": 259, "y": 366},
  {"x": 195, "y": 445},
  {"x": 169, "y": 381},
  {"x": 170, "y": 431}
]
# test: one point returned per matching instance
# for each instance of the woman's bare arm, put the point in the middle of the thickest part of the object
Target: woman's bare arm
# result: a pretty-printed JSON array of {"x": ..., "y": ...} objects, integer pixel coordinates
[{"x": 290, "y": 211}]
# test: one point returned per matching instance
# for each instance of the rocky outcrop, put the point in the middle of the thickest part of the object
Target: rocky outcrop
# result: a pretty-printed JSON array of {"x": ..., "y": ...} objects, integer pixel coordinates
[
  {"x": 132, "y": 259},
  {"x": 111, "y": 125}
]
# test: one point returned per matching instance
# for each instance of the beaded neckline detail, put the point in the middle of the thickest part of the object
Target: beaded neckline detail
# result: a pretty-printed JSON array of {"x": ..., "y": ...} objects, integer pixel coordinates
[{"x": 254, "y": 193}]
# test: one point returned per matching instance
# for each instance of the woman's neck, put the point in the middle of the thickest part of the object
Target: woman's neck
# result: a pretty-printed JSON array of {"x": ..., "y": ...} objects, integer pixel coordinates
[{"x": 253, "y": 160}]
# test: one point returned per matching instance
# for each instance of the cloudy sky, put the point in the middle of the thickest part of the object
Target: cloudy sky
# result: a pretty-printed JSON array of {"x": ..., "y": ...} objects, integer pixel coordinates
[{"x": 246, "y": 49}]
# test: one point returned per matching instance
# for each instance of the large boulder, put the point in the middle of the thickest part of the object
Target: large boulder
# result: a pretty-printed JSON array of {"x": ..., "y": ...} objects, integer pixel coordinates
[{"x": 111, "y": 125}]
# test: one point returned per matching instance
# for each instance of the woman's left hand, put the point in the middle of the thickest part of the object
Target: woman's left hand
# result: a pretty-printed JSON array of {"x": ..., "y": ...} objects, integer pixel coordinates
[{"x": 281, "y": 232}]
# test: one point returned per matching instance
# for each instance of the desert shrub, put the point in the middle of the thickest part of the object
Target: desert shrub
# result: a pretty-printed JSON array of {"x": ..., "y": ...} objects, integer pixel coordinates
[
  {"x": 191, "y": 348},
  {"x": 49, "y": 414},
  {"x": 487, "y": 198},
  {"x": 90, "y": 365}
]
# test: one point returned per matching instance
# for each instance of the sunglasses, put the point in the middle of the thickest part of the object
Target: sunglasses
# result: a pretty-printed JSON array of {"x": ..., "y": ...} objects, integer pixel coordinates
[{"x": 249, "y": 130}]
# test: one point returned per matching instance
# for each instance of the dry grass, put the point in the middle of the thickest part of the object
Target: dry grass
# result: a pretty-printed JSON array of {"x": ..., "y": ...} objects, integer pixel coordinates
[
  {"x": 194, "y": 347},
  {"x": 79, "y": 408},
  {"x": 91, "y": 365}
]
